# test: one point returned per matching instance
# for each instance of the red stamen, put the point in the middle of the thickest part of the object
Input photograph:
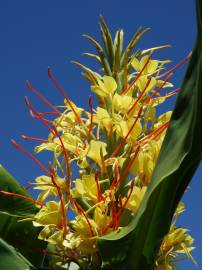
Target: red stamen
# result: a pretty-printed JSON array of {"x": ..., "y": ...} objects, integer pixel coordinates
[
  {"x": 175, "y": 67},
  {"x": 120, "y": 201},
  {"x": 121, "y": 144},
  {"x": 140, "y": 96},
  {"x": 6, "y": 193},
  {"x": 31, "y": 156},
  {"x": 49, "y": 113},
  {"x": 173, "y": 92},
  {"x": 158, "y": 131},
  {"x": 127, "y": 169},
  {"x": 61, "y": 200},
  {"x": 34, "y": 112},
  {"x": 33, "y": 139},
  {"x": 63, "y": 94},
  {"x": 113, "y": 210},
  {"x": 99, "y": 192},
  {"x": 138, "y": 76},
  {"x": 91, "y": 118},
  {"x": 116, "y": 216},
  {"x": 127, "y": 199},
  {"x": 32, "y": 89},
  {"x": 161, "y": 87},
  {"x": 28, "y": 186},
  {"x": 66, "y": 158}
]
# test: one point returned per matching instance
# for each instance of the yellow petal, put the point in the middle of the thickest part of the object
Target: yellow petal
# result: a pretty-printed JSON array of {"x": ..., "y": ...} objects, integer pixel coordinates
[
  {"x": 142, "y": 82},
  {"x": 109, "y": 84},
  {"x": 95, "y": 151},
  {"x": 136, "y": 64}
]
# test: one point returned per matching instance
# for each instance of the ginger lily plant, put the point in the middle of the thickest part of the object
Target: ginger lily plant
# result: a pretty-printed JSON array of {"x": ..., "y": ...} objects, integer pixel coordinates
[{"x": 110, "y": 215}]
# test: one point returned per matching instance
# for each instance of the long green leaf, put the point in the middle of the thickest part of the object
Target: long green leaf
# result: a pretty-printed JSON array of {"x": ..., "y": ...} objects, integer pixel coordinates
[
  {"x": 136, "y": 246},
  {"x": 11, "y": 259},
  {"x": 21, "y": 235}
]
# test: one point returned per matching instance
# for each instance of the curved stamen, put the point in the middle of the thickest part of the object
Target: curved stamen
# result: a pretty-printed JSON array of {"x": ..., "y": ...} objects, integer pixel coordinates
[
  {"x": 140, "y": 96},
  {"x": 63, "y": 94},
  {"x": 33, "y": 139},
  {"x": 176, "y": 66},
  {"x": 81, "y": 211},
  {"x": 34, "y": 112},
  {"x": 161, "y": 87},
  {"x": 6, "y": 193},
  {"x": 99, "y": 192},
  {"x": 31, "y": 156},
  {"x": 32, "y": 89}
]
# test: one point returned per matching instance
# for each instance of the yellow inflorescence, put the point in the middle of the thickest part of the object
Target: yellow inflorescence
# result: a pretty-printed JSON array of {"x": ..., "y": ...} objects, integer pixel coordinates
[{"x": 115, "y": 148}]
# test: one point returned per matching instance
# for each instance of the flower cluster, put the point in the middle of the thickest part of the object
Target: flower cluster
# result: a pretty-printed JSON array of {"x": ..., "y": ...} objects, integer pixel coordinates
[{"x": 114, "y": 147}]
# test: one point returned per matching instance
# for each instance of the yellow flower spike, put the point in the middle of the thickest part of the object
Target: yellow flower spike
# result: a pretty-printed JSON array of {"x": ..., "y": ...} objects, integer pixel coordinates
[
  {"x": 105, "y": 87},
  {"x": 94, "y": 152},
  {"x": 121, "y": 137}
]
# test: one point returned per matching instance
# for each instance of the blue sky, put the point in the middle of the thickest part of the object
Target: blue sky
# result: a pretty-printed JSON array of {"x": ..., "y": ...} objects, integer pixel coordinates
[{"x": 37, "y": 34}]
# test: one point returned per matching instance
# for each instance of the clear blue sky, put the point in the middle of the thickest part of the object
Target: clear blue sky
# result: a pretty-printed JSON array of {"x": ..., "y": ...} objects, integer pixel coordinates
[{"x": 36, "y": 34}]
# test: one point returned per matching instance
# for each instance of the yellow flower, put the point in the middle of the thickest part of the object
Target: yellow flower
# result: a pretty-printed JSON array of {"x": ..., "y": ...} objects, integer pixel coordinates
[
  {"x": 121, "y": 103},
  {"x": 49, "y": 217},
  {"x": 135, "y": 198},
  {"x": 178, "y": 240},
  {"x": 105, "y": 86},
  {"x": 151, "y": 67},
  {"x": 97, "y": 149},
  {"x": 86, "y": 188},
  {"x": 49, "y": 214},
  {"x": 144, "y": 164},
  {"x": 85, "y": 235},
  {"x": 45, "y": 184},
  {"x": 103, "y": 119},
  {"x": 143, "y": 81}
]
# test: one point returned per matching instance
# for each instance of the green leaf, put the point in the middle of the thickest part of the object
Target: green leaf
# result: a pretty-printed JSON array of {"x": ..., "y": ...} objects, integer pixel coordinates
[
  {"x": 21, "y": 235},
  {"x": 11, "y": 259},
  {"x": 11, "y": 204},
  {"x": 135, "y": 246}
]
